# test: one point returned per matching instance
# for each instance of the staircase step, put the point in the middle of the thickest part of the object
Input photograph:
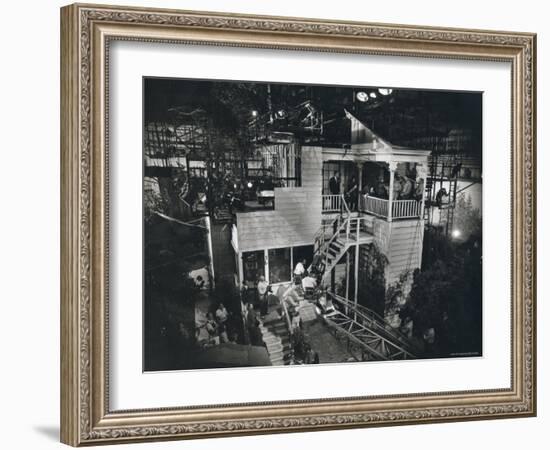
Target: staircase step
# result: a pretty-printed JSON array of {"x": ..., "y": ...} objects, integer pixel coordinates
[{"x": 276, "y": 355}]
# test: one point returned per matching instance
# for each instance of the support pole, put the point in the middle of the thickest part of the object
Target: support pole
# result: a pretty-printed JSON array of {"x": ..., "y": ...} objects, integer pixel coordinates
[
  {"x": 210, "y": 251},
  {"x": 241, "y": 270},
  {"x": 356, "y": 279},
  {"x": 360, "y": 185},
  {"x": 347, "y": 278},
  {"x": 392, "y": 167},
  {"x": 421, "y": 173}
]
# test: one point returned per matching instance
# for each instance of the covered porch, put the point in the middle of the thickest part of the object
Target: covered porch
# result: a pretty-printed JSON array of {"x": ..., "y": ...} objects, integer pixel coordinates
[
  {"x": 374, "y": 177},
  {"x": 379, "y": 207}
]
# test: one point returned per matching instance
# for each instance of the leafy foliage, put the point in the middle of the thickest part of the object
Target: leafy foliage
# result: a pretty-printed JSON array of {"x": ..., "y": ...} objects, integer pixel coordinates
[
  {"x": 372, "y": 279},
  {"x": 467, "y": 219},
  {"x": 446, "y": 295}
]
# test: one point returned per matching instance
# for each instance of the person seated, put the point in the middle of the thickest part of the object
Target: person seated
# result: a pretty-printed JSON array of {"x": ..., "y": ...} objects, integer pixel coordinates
[
  {"x": 221, "y": 314},
  {"x": 309, "y": 284},
  {"x": 212, "y": 329}
]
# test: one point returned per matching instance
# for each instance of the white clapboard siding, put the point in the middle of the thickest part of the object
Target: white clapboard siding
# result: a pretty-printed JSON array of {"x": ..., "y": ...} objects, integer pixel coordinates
[
  {"x": 297, "y": 214},
  {"x": 404, "y": 248}
]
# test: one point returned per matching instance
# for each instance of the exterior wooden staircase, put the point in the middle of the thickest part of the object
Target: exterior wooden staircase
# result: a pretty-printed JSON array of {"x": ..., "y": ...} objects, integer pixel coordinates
[
  {"x": 348, "y": 229},
  {"x": 376, "y": 339},
  {"x": 276, "y": 337}
]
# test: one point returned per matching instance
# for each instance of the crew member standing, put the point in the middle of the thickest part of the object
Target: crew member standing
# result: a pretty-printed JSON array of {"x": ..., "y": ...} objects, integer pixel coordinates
[
  {"x": 262, "y": 289},
  {"x": 334, "y": 183}
]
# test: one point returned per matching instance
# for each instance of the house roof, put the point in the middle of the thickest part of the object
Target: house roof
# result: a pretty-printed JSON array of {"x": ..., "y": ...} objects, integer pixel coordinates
[{"x": 366, "y": 145}]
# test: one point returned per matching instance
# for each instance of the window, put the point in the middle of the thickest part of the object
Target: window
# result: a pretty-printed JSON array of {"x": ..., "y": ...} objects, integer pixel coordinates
[{"x": 279, "y": 265}]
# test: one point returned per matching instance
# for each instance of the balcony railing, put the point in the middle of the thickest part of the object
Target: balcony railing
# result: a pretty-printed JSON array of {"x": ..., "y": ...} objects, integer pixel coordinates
[
  {"x": 400, "y": 209},
  {"x": 332, "y": 203},
  {"x": 374, "y": 205}
]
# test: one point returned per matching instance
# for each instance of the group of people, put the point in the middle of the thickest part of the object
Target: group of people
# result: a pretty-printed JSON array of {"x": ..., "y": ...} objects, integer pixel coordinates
[
  {"x": 350, "y": 193},
  {"x": 262, "y": 298},
  {"x": 217, "y": 327},
  {"x": 404, "y": 188}
]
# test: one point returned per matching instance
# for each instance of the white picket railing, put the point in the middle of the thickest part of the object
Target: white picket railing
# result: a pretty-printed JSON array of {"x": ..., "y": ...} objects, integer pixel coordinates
[
  {"x": 374, "y": 205},
  {"x": 405, "y": 208},
  {"x": 401, "y": 209},
  {"x": 332, "y": 202}
]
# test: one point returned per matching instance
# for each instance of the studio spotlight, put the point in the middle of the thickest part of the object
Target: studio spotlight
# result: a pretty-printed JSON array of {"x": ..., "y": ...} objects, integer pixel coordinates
[{"x": 362, "y": 96}]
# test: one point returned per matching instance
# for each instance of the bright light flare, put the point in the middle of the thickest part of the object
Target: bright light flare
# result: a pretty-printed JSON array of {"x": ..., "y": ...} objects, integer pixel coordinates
[{"x": 362, "y": 96}]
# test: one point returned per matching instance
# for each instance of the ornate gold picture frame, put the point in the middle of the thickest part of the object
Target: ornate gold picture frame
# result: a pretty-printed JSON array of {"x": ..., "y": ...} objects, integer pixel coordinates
[{"x": 86, "y": 34}]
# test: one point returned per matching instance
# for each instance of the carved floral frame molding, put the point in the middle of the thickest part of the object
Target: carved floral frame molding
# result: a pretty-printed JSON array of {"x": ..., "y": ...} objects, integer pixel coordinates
[{"x": 86, "y": 31}]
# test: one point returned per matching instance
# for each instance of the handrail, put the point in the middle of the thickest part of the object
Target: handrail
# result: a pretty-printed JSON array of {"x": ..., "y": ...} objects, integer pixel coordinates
[
  {"x": 344, "y": 203},
  {"x": 334, "y": 236},
  {"x": 375, "y": 320},
  {"x": 320, "y": 243},
  {"x": 320, "y": 234}
]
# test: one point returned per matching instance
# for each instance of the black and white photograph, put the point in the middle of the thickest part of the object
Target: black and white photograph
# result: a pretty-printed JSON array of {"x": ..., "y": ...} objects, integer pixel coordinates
[{"x": 294, "y": 224}]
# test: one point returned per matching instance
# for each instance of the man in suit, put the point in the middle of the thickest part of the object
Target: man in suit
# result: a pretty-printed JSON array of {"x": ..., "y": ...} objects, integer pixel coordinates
[{"x": 334, "y": 183}]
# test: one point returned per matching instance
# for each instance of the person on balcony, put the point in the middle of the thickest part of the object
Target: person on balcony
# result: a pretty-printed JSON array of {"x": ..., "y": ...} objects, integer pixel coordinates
[
  {"x": 419, "y": 190},
  {"x": 334, "y": 183},
  {"x": 397, "y": 187},
  {"x": 406, "y": 188},
  {"x": 380, "y": 190},
  {"x": 351, "y": 194}
]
